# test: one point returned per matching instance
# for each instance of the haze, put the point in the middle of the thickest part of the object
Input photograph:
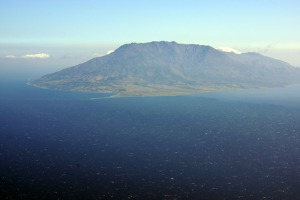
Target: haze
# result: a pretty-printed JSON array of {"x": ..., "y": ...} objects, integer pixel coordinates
[
  {"x": 39, "y": 37},
  {"x": 164, "y": 115}
]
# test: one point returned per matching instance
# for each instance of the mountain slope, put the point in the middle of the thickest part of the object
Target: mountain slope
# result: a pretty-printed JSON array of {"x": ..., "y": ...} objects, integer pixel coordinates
[{"x": 169, "y": 68}]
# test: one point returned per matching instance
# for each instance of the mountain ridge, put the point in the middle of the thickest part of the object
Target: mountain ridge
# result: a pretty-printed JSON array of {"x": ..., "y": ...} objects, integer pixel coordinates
[{"x": 169, "y": 68}]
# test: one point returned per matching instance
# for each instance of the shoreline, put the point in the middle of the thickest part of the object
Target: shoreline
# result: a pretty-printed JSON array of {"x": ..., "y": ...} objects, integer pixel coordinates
[{"x": 173, "y": 93}]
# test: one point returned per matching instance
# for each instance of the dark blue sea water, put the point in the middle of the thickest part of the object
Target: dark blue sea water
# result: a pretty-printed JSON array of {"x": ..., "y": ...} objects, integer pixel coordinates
[{"x": 233, "y": 145}]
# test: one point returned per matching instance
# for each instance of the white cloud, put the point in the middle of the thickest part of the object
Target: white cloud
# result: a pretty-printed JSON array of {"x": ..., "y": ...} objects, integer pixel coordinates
[
  {"x": 39, "y": 55},
  {"x": 10, "y": 56},
  {"x": 102, "y": 54},
  {"x": 228, "y": 49},
  {"x": 109, "y": 52}
]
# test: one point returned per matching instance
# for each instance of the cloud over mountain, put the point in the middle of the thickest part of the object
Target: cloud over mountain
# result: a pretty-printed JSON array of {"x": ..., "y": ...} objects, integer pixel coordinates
[
  {"x": 229, "y": 49},
  {"x": 103, "y": 54}
]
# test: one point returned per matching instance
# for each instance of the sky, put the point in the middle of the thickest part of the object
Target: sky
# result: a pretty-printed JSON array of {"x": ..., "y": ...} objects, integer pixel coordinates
[{"x": 38, "y": 37}]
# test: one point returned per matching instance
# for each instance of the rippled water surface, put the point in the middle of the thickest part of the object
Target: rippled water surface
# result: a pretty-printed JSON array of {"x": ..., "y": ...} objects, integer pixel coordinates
[{"x": 63, "y": 145}]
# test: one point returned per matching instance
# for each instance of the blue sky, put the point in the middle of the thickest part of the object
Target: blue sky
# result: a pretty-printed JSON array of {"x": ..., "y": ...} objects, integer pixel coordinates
[{"x": 73, "y": 31}]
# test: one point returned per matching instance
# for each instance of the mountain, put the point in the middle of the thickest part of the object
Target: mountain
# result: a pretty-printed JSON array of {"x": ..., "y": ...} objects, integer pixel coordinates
[{"x": 169, "y": 68}]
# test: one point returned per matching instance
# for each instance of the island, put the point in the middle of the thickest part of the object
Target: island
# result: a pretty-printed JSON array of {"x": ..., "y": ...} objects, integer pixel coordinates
[{"x": 168, "y": 68}]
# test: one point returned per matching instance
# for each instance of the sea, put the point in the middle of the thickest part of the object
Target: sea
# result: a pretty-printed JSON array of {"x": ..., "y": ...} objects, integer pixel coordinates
[{"x": 225, "y": 145}]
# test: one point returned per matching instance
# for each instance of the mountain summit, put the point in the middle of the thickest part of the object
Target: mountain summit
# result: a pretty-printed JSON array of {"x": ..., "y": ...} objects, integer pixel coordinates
[{"x": 169, "y": 68}]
